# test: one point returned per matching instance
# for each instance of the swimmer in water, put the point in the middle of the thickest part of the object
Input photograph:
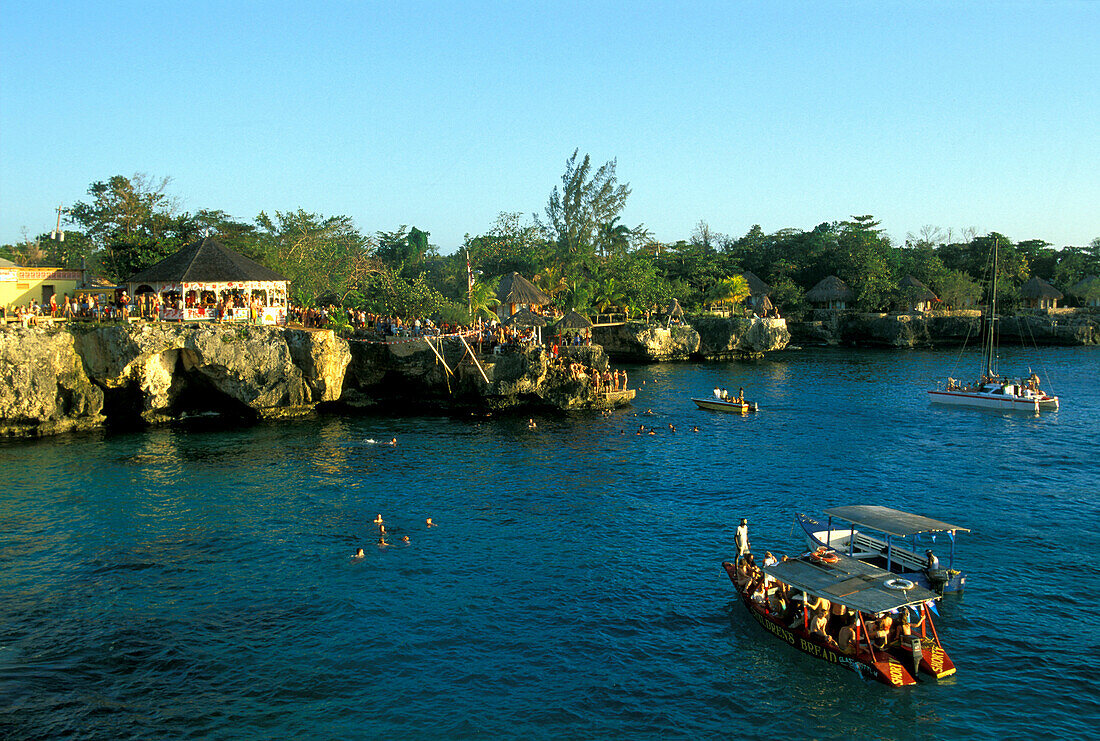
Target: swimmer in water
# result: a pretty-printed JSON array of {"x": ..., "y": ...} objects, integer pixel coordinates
[
  {"x": 381, "y": 530},
  {"x": 671, "y": 427},
  {"x": 651, "y": 432},
  {"x": 382, "y": 543},
  {"x": 695, "y": 428},
  {"x": 394, "y": 442},
  {"x": 404, "y": 538},
  {"x": 531, "y": 424},
  {"x": 359, "y": 553},
  {"x": 378, "y": 520},
  {"x": 429, "y": 522}
]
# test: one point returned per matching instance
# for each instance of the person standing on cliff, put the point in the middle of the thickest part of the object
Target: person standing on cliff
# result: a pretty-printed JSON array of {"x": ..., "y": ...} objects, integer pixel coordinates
[{"x": 741, "y": 538}]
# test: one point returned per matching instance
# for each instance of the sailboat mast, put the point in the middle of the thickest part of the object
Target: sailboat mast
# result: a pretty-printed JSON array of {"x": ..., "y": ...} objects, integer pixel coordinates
[{"x": 988, "y": 373}]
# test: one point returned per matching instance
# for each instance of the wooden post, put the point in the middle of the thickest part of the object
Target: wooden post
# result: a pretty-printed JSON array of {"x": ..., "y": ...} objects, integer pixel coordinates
[
  {"x": 438, "y": 355},
  {"x": 474, "y": 356}
]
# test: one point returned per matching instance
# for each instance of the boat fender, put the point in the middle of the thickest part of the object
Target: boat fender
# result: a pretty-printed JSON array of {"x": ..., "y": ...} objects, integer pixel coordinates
[{"x": 901, "y": 584}]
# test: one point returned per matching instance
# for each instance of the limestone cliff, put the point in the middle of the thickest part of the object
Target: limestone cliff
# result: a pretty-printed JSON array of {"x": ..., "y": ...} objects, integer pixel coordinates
[
  {"x": 442, "y": 374},
  {"x": 81, "y": 376},
  {"x": 43, "y": 387},
  {"x": 707, "y": 338},
  {"x": 919, "y": 330}
]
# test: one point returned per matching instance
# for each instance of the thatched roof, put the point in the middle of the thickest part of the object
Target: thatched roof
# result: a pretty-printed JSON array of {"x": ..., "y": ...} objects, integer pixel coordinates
[
  {"x": 674, "y": 309},
  {"x": 205, "y": 261},
  {"x": 7, "y": 263},
  {"x": 525, "y": 318},
  {"x": 572, "y": 320},
  {"x": 757, "y": 287},
  {"x": 829, "y": 288},
  {"x": 1039, "y": 288},
  {"x": 914, "y": 290},
  {"x": 515, "y": 289},
  {"x": 1083, "y": 286}
]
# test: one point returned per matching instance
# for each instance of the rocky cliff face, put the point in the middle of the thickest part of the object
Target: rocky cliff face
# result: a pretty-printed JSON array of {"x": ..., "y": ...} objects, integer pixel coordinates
[
  {"x": 707, "y": 338},
  {"x": 82, "y": 376},
  {"x": 916, "y": 330},
  {"x": 43, "y": 387},
  {"x": 444, "y": 375}
]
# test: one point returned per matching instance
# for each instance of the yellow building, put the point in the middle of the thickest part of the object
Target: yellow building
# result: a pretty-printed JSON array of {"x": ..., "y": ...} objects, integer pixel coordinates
[{"x": 19, "y": 285}]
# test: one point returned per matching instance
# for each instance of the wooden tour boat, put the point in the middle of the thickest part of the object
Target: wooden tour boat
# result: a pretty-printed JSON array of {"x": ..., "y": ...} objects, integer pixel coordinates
[
  {"x": 892, "y": 540},
  {"x": 861, "y": 588}
]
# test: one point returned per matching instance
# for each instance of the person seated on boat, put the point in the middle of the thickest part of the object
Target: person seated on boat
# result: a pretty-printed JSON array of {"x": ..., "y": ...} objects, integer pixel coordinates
[
  {"x": 717, "y": 393},
  {"x": 904, "y": 629},
  {"x": 725, "y": 395},
  {"x": 769, "y": 560},
  {"x": 777, "y": 601},
  {"x": 933, "y": 562},
  {"x": 880, "y": 630},
  {"x": 818, "y": 604},
  {"x": 819, "y": 623},
  {"x": 741, "y": 395},
  {"x": 846, "y": 637},
  {"x": 760, "y": 592}
]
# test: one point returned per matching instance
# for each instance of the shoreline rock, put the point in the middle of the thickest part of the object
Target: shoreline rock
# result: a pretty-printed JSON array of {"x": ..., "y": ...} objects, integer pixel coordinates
[{"x": 701, "y": 338}]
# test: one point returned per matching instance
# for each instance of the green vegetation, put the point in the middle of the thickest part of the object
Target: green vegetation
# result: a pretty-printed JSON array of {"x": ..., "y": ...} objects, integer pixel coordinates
[{"x": 579, "y": 253}]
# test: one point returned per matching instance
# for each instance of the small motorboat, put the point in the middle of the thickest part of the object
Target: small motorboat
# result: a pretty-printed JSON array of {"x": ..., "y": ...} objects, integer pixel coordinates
[
  {"x": 726, "y": 405},
  {"x": 890, "y": 539},
  {"x": 866, "y": 592}
]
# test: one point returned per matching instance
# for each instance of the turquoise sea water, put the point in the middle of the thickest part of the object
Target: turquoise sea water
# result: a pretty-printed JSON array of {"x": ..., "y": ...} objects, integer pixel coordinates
[{"x": 199, "y": 583}]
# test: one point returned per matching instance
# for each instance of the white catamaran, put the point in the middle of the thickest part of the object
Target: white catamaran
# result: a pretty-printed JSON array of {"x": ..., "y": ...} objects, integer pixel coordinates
[{"x": 992, "y": 390}]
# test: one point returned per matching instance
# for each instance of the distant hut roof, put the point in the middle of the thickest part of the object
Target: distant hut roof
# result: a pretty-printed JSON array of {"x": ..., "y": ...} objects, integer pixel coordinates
[
  {"x": 515, "y": 289},
  {"x": 206, "y": 261},
  {"x": 1039, "y": 288},
  {"x": 674, "y": 309},
  {"x": 572, "y": 320},
  {"x": 829, "y": 288},
  {"x": 525, "y": 318},
  {"x": 757, "y": 287},
  {"x": 1085, "y": 285},
  {"x": 916, "y": 290},
  {"x": 7, "y": 263}
]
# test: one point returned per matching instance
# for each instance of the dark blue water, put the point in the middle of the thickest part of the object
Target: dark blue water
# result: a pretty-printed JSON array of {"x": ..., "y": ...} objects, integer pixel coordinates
[{"x": 199, "y": 584}]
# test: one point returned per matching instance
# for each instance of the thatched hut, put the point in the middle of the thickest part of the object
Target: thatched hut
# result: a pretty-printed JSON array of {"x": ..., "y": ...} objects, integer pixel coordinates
[
  {"x": 572, "y": 322},
  {"x": 192, "y": 283},
  {"x": 830, "y": 293},
  {"x": 527, "y": 318},
  {"x": 757, "y": 300},
  {"x": 674, "y": 311},
  {"x": 516, "y": 292},
  {"x": 1038, "y": 294},
  {"x": 1087, "y": 291},
  {"x": 914, "y": 295}
]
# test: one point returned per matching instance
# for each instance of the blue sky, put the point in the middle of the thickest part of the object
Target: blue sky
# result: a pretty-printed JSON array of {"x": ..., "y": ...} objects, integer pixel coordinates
[{"x": 442, "y": 115}]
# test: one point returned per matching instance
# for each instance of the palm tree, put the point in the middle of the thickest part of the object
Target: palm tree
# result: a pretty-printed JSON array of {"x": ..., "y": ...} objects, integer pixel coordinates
[
  {"x": 551, "y": 280},
  {"x": 728, "y": 291},
  {"x": 482, "y": 301},
  {"x": 613, "y": 237},
  {"x": 608, "y": 294}
]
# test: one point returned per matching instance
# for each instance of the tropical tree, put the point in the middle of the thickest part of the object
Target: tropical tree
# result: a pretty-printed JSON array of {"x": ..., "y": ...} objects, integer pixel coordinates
[
  {"x": 613, "y": 238},
  {"x": 585, "y": 201},
  {"x": 510, "y": 245},
  {"x": 608, "y": 293},
  {"x": 956, "y": 289},
  {"x": 483, "y": 300},
  {"x": 551, "y": 279},
  {"x": 729, "y": 291},
  {"x": 132, "y": 223}
]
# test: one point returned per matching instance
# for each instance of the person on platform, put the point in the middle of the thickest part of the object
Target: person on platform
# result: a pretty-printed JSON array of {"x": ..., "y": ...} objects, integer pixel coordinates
[{"x": 741, "y": 538}]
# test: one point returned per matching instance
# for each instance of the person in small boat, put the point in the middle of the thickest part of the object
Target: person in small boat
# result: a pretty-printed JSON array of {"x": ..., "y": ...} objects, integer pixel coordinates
[
  {"x": 819, "y": 622},
  {"x": 717, "y": 393},
  {"x": 725, "y": 395},
  {"x": 760, "y": 592},
  {"x": 880, "y": 630},
  {"x": 746, "y": 570},
  {"x": 838, "y": 616},
  {"x": 741, "y": 538},
  {"x": 846, "y": 638},
  {"x": 777, "y": 600},
  {"x": 906, "y": 626},
  {"x": 933, "y": 561},
  {"x": 741, "y": 395}
]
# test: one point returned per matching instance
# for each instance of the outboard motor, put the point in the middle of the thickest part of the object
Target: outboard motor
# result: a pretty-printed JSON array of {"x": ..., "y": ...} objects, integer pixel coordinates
[{"x": 937, "y": 579}]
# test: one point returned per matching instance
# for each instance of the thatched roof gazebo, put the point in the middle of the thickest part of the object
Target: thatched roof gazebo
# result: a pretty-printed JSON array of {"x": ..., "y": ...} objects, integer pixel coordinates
[
  {"x": 914, "y": 295},
  {"x": 1039, "y": 294},
  {"x": 193, "y": 281},
  {"x": 572, "y": 320},
  {"x": 527, "y": 318},
  {"x": 830, "y": 293},
  {"x": 757, "y": 287},
  {"x": 515, "y": 292},
  {"x": 1087, "y": 290}
]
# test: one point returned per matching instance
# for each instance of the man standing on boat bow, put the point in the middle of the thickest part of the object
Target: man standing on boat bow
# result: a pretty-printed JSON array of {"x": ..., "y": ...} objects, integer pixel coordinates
[{"x": 741, "y": 538}]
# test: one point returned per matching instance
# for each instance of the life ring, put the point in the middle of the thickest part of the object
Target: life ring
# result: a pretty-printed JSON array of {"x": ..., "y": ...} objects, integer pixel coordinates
[
  {"x": 903, "y": 585},
  {"x": 825, "y": 555}
]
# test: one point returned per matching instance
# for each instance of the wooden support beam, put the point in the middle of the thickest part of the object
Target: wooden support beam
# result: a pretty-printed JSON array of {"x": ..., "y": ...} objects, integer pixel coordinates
[
  {"x": 439, "y": 355},
  {"x": 473, "y": 355}
]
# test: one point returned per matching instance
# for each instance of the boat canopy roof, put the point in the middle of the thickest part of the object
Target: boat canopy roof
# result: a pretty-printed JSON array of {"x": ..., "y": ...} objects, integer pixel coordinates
[
  {"x": 891, "y": 521},
  {"x": 850, "y": 582}
]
